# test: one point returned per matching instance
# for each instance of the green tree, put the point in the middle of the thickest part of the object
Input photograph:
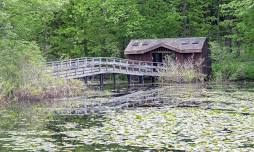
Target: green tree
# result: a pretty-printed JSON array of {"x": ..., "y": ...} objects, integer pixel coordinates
[
  {"x": 93, "y": 28},
  {"x": 19, "y": 28}
]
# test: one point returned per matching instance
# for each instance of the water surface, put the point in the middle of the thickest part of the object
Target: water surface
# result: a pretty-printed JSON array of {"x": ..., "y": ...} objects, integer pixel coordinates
[{"x": 191, "y": 118}]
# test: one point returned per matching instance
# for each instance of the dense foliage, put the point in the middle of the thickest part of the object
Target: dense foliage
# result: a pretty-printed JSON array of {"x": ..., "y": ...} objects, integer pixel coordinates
[
  {"x": 73, "y": 28},
  {"x": 21, "y": 24},
  {"x": 104, "y": 28}
]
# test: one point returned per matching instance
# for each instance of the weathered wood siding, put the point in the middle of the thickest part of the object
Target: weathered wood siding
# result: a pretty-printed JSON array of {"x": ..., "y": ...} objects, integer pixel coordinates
[
  {"x": 180, "y": 57},
  {"x": 206, "y": 56}
]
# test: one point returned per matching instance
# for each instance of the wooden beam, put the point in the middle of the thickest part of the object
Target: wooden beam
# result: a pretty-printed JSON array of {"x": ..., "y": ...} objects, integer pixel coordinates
[
  {"x": 114, "y": 79},
  {"x": 141, "y": 79},
  {"x": 129, "y": 79},
  {"x": 101, "y": 81}
]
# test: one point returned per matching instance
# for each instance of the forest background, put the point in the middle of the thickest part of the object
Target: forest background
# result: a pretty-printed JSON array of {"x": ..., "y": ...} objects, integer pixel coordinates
[{"x": 34, "y": 31}]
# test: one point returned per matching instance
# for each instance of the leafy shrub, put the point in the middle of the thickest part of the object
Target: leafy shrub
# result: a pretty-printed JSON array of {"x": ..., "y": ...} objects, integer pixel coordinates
[
  {"x": 226, "y": 65},
  {"x": 23, "y": 76},
  {"x": 14, "y": 57}
]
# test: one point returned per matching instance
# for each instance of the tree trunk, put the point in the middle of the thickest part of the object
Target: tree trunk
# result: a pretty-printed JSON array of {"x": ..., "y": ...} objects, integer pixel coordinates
[
  {"x": 218, "y": 21},
  {"x": 186, "y": 30}
]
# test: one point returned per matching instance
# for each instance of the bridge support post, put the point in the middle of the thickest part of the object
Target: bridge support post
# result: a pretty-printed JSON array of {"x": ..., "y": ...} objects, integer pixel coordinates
[
  {"x": 153, "y": 80},
  {"x": 101, "y": 81},
  {"x": 85, "y": 80},
  {"x": 141, "y": 79},
  {"x": 114, "y": 79},
  {"x": 129, "y": 79}
]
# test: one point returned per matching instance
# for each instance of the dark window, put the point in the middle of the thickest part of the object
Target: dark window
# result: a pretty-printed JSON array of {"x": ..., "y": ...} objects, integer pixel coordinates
[
  {"x": 145, "y": 43},
  {"x": 185, "y": 43},
  {"x": 135, "y": 44},
  {"x": 195, "y": 42}
]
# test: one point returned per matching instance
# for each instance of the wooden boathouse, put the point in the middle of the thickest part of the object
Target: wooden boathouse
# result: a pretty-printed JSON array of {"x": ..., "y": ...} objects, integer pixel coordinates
[{"x": 180, "y": 50}]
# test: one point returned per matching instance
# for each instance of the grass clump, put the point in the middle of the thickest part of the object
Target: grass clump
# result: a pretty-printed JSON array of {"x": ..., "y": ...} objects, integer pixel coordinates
[
  {"x": 53, "y": 88},
  {"x": 188, "y": 71}
]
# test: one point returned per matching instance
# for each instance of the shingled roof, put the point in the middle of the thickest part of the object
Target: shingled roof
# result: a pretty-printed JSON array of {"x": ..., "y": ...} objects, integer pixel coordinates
[{"x": 181, "y": 45}]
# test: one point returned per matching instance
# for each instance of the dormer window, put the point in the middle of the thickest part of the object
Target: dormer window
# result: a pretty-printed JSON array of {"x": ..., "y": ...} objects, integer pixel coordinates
[
  {"x": 195, "y": 42},
  {"x": 145, "y": 43},
  {"x": 185, "y": 43},
  {"x": 135, "y": 44}
]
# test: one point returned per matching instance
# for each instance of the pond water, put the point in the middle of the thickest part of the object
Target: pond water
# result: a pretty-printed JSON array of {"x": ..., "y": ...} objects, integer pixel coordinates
[{"x": 203, "y": 118}]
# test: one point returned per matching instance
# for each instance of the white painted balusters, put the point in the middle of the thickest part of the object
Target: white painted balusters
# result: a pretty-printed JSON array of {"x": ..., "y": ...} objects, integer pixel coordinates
[{"x": 78, "y": 68}]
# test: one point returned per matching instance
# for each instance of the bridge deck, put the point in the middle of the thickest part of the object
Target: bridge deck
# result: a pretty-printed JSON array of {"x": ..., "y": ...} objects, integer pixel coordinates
[{"x": 82, "y": 67}]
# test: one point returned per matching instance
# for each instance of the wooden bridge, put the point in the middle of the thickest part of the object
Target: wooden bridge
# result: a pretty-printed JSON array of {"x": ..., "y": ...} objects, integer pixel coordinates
[{"x": 85, "y": 67}]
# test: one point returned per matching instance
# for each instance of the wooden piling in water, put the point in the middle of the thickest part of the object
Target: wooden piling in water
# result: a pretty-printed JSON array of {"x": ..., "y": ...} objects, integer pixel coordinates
[
  {"x": 114, "y": 79},
  {"x": 85, "y": 80},
  {"x": 101, "y": 81},
  {"x": 153, "y": 79},
  {"x": 141, "y": 80},
  {"x": 129, "y": 79}
]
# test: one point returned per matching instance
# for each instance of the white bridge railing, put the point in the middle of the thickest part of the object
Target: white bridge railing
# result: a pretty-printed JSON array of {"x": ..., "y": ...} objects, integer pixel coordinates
[{"x": 82, "y": 67}]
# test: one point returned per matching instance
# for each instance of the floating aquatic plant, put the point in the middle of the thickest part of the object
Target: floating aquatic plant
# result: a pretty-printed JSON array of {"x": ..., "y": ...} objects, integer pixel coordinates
[{"x": 206, "y": 120}]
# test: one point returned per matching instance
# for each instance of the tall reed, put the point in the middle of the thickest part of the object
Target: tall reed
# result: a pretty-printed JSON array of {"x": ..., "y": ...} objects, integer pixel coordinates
[
  {"x": 39, "y": 84},
  {"x": 186, "y": 72}
]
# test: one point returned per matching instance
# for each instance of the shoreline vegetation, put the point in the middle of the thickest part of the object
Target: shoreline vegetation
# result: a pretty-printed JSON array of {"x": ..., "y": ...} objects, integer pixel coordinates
[{"x": 35, "y": 84}]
